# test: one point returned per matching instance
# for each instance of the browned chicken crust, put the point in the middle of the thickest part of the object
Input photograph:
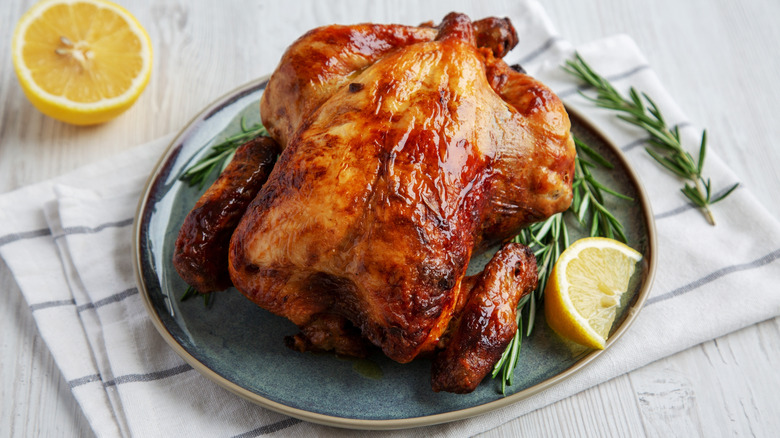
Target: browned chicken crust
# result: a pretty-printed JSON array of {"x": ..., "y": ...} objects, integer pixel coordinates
[
  {"x": 405, "y": 151},
  {"x": 201, "y": 249},
  {"x": 481, "y": 331}
]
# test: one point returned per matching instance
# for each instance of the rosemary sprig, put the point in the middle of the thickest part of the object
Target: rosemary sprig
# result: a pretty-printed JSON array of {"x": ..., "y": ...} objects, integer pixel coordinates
[
  {"x": 220, "y": 155},
  {"x": 549, "y": 238},
  {"x": 208, "y": 298},
  {"x": 218, "y": 158},
  {"x": 588, "y": 197},
  {"x": 666, "y": 148}
]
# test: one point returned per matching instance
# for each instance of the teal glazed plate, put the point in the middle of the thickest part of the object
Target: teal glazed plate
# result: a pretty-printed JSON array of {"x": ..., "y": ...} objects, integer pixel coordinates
[{"x": 241, "y": 346}]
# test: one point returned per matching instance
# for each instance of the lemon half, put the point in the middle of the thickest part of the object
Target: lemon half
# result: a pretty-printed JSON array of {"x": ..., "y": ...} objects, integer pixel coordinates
[
  {"x": 81, "y": 61},
  {"x": 583, "y": 293}
]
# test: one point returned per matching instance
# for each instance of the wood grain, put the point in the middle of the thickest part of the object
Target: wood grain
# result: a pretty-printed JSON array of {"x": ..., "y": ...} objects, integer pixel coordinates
[{"x": 718, "y": 58}]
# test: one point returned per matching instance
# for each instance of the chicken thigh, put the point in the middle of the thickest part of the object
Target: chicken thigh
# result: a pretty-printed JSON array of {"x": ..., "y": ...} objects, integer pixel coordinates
[{"x": 405, "y": 152}]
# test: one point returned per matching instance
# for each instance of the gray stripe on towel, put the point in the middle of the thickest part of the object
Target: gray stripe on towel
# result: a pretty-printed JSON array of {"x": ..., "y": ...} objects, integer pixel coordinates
[
  {"x": 111, "y": 299},
  {"x": 689, "y": 206},
  {"x": 84, "y": 380},
  {"x": 709, "y": 278},
  {"x": 540, "y": 50},
  {"x": 56, "y": 303},
  {"x": 91, "y": 230},
  {"x": 108, "y": 300},
  {"x": 13, "y": 237},
  {"x": 617, "y": 77},
  {"x": 644, "y": 140},
  {"x": 148, "y": 377}
]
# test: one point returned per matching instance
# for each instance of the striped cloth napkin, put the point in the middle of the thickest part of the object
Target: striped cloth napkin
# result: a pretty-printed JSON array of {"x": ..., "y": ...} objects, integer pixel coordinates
[{"x": 68, "y": 244}]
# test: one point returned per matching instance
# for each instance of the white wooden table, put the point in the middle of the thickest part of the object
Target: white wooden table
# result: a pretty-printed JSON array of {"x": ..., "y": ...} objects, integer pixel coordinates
[{"x": 718, "y": 58}]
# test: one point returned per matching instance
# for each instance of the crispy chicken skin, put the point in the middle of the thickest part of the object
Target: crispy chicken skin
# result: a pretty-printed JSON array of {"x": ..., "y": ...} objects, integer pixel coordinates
[
  {"x": 487, "y": 322},
  {"x": 406, "y": 151},
  {"x": 201, "y": 249}
]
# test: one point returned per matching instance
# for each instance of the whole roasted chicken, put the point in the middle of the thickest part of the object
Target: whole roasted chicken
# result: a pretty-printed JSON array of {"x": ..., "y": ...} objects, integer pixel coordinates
[{"x": 404, "y": 152}]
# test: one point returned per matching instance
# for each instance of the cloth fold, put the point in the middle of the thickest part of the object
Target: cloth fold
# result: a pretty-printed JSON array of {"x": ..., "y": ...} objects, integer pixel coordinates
[{"x": 68, "y": 242}]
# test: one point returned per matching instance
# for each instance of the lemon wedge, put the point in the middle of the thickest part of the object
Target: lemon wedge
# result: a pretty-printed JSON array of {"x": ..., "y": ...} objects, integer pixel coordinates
[
  {"x": 81, "y": 61},
  {"x": 583, "y": 293}
]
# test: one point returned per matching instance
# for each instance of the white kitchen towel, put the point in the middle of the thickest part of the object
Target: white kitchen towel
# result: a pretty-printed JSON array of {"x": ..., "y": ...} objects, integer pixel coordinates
[{"x": 68, "y": 244}]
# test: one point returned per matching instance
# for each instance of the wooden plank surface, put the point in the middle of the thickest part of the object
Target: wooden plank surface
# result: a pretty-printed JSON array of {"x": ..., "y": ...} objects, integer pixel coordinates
[{"x": 718, "y": 58}]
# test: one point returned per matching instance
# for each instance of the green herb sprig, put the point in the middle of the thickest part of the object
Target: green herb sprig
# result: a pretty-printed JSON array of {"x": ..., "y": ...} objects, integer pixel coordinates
[
  {"x": 588, "y": 196},
  {"x": 220, "y": 155},
  {"x": 208, "y": 298},
  {"x": 549, "y": 238},
  {"x": 666, "y": 148}
]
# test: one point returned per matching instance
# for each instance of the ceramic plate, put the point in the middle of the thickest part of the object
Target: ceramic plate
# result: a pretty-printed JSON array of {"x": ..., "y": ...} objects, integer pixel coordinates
[{"x": 240, "y": 346}]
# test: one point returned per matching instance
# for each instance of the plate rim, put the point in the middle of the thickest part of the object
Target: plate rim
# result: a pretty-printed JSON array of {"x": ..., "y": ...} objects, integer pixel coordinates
[{"x": 387, "y": 424}]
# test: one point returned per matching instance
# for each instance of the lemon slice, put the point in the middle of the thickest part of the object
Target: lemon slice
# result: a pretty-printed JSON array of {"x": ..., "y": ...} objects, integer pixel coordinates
[
  {"x": 584, "y": 290},
  {"x": 81, "y": 61}
]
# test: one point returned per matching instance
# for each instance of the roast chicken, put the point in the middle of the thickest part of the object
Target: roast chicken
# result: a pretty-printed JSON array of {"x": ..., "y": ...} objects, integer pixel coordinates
[{"x": 405, "y": 151}]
